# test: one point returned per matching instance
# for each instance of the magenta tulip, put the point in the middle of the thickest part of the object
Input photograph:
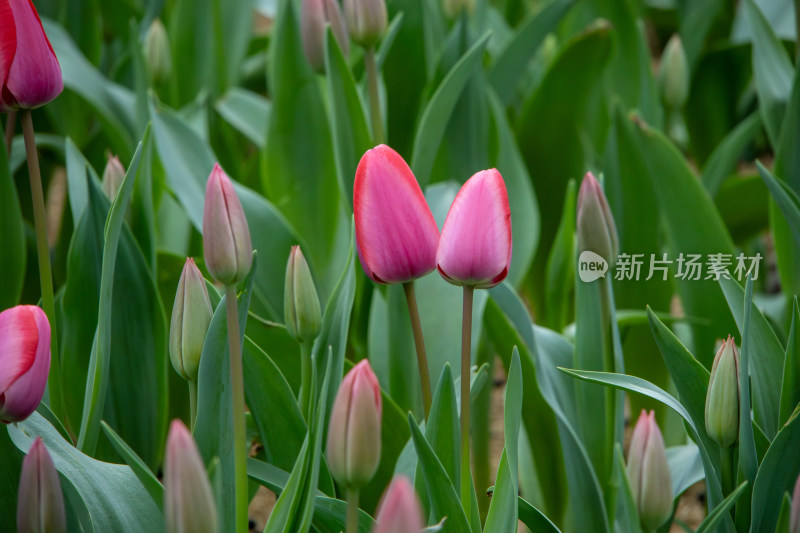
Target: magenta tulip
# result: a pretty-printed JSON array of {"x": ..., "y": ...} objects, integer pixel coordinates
[
  {"x": 40, "y": 502},
  {"x": 24, "y": 361},
  {"x": 648, "y": 473},
  {"x": 30, "y": 75},
  {"x": 354, "y": 435},
  {"x": 396, "y": 233},
  {"x": 399, "y": 510},
  {"x": 475, "y": 247},
  {"x": 227, "y": 248}
]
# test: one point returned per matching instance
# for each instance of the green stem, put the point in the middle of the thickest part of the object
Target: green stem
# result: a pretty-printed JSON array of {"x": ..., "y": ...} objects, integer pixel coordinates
[
  {"x": 305, "y": 381},
  {"x": 419, "y": 343},
  {"x": 374, "y": 97},
  {"x": 43, "y": 252},
  {"x": 352, "y": 511},
  {"x": 239, "y": 446},
  {"x": 728, "y": 472},
  {"x": 466, "y": 360},
  {"x": 10, "y": 120},
  {"x": 192, "y": 403}
]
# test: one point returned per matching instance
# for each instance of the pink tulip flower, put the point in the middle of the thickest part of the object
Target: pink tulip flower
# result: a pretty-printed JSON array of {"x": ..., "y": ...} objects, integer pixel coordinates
[
  {"x": 24, "y": 361},
  {"x": 475, "y": 247},
  {"x": 30, "y": 75},
  {"x": 354, "y": 435},
  {"x": 40, "y": 501},
  {"x": 399, "y": 510},
  {"x": 227, "y": 248},
  {"x": 396, "y": 233},
  {"x": 648, "y": 473}
]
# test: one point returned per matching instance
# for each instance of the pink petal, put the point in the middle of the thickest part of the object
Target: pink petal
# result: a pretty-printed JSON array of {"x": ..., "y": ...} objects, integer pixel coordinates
[
  {"x": 475, "y": 246},
  {"x": 399, "y": 510},
  {"x": 8, "y": 45},
  {"x": 35, "y": 75},
  {"x": 396, "y": 233}
]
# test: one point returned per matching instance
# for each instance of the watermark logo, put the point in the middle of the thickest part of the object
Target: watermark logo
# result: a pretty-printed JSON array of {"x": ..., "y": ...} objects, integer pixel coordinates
[{"x": 591, "y": 266}]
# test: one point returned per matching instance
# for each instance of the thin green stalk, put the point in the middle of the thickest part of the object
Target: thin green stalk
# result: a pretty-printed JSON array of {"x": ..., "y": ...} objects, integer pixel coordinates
[
  {"x": 10, "y": 120},
  {"x": 43, "y": 252},
  {"x": 374, "y": 97},
  {"x": 466, "y": 360},
  {"x": 727, "y": 470},
  {"x": 352, "y": 511},
  {"x": 306, "y": 400},
  {"x": 192, "y": 403},
  {"x": 239, "y": 450},
  {"x": 419, "y": 343}
]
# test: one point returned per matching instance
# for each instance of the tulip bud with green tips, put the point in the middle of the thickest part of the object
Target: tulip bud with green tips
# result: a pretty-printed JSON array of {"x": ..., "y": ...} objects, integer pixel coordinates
[
  {"x": 648, "y": 473},
  {"x": 722, "y": 398},
  {"x": 300, "y": 301},
  {"x": 595, "y": 225},
  {"x": 40, "y": 502},
  {"x": 113, "y": 175},
  {"x": 157, "y": 53},
  {"x": 673, "y": 74},
  {"x": 191, "y": 316},
  {"x": 366, "y": 21}
]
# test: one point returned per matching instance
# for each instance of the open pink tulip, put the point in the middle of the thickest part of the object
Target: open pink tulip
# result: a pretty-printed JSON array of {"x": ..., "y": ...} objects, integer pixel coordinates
[
  {"x": 227, "y": 248},
  {"x": 24, "y": 361},
  {"x": 396, "y": 233},
  {"x": 475, "y": 247},
  {"x": 648, "y": 473},
  {"x": 30, "y": 75},
  {"x": 354, "y": 437},
  {"x": 399, "y": 510},
  {"x": 40, "y": 501}
]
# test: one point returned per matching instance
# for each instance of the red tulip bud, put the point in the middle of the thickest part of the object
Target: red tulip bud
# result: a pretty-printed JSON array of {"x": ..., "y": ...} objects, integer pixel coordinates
[
  {"x": 399, "y": 510},
  {"x": 24, "y": 361},
  {"x": 40, "y": 503},
  {"x": 30, "y": 75},
  {"x": 475, "y": 247}
]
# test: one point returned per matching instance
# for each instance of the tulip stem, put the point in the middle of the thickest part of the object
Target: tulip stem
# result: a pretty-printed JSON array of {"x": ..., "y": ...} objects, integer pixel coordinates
[
  {"x": 374, "y": 96},
  {"x": 466, "y": 363},
  {"x": 419, "y": 343},
  {"x": 727, "y": 469},
  {"x": 43, "y": 252},
  {"x": 192, "y": 404},
  {"x": 239, "y": 450},
  {"x": 305, "y": 381},
  {"x": 352, "y": 511},
  {"x": 10, "y": 120}
]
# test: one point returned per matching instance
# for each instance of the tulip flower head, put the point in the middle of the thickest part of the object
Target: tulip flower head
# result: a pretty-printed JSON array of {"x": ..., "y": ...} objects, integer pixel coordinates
[
  {"x": 366, "y": 21},
  {"x": 314, "y": 17},
  {"x": 475, "y": 246},
  {"x": 648, "y": 473},
  {"x": 722, "y": 398},
  {"x": 40, "y": 502},
  {"x": 354, "y": 435},
  {"x": 157, "y": 54},
  {"x": 227, "y": 247},
  {"x": 24, "y": 361},
  {"x": 30, "y": 75},
  {"x": 301, "y": 308},
  {"x": 673, "y": 74},
  {"x": 396, "y": 233},
  {"x": 191, "y": 316},
  {"x": 595, "y": 226},
  {"x": 399, "y": 510},
  {"x": 113, "y": 175},
  {"x": 188, "y": 502}
]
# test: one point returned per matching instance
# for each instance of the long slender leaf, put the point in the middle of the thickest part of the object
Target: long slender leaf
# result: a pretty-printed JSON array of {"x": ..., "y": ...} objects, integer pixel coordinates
[
  {"x": 142, "y": 471},
  {"x": 787, "y": 200},
  {"x": 716, "y": 516},
  {"x": 790, "y": 387},
  {"x": 748, "y": 459}
]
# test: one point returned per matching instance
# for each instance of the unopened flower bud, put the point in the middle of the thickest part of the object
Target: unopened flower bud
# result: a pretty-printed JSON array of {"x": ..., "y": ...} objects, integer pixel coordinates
[
  {"x": 673, "y": 74},
  {"x": 188, "y": 501},
  {"x": 648, "y": 473},
  {"x": 301, "y": 307},
  {"x": 366, "y": 21},
  {"x": 722, "y": 398},
  {"x": 399, "y": 510},
  {"x": 40, "y": 502},
  {"x": 794, "y": 514},
  {"x": 157, "y": 53},
  {"x": 113, "y": 175},
  {"x": 595, "y": 225},
  {"x": 227, "y": 248},
  {"x": 453, "y": 8},
  {"x": 314, "y": 16},
  {"x": 191, "y": 316},
  {"x": 354, "y": 435}
]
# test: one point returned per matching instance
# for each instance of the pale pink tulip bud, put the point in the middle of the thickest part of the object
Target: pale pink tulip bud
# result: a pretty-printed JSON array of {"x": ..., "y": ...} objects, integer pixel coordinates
[
  {"x": 226, "y": 238},
  {"x": 366, "y": 21},
  {"x": 113, "y": 175},
  {"x": 314, "y": 17},
  {"x": 722, "y": 397},
  {"x": 30, "y": 75},
  {"x": 24, "y": 361},
  {"x": 191, "y": 316},
  {"x": 595, "y": 226},
  {"x": 396, "y": 233},
  {"x": 648, "y": 473},
  {"x": 399, "y": 510},
  {"x": 40, "y": 502},
  {"x": 188, "y": 502},
  {"x": 794, "y": 514},
  {"x": 354, "y": 433},
  {"x": 475, "y": 247}
]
